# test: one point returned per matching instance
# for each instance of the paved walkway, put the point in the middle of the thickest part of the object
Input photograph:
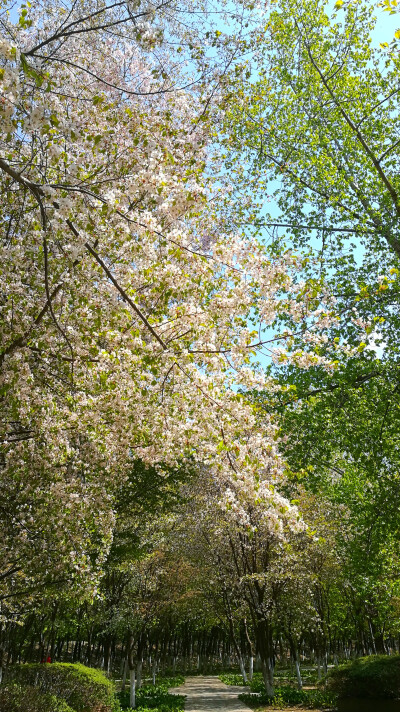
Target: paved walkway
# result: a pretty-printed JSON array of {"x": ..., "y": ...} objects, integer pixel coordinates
[{"x": 205, "y": 694}]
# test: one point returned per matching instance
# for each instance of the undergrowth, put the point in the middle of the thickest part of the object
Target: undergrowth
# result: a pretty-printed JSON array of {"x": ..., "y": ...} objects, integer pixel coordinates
[
  {"x": 156, "y": 697},
  {"x": 287, "y": 695},
  {"x": 282, "y": 675}
]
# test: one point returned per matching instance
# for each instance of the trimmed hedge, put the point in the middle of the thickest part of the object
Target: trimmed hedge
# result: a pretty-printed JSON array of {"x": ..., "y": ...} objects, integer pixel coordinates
[
  {"x": 84, "y": 689},
  {"x": 14, "y": 698},
  {"x": 376, "y": 676}
]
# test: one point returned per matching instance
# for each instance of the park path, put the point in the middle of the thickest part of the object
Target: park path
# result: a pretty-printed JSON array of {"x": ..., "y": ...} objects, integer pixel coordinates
[{"x": 205, "y": 694}]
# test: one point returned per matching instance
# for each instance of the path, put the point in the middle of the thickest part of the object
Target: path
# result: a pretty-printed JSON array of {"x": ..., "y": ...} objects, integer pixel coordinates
[{"x": 205, "y": 694}]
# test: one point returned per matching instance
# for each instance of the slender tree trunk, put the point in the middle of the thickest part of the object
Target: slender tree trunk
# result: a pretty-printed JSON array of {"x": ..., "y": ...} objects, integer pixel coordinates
[
  {"x": 298, "y": 674},
  {"x": 132, "y": 672},
  {"x": 319, "y": 666},
  {"x": 89, "y": 649},
  {"x": 242, "y": 669},
  {"x": 295, "y": 654},
  {"x": 251, "y": 667},
  {"x": 125, "y": 674},
  {"x": 251, "y": 650},
  {"x": 132, "y": 688},
  {"x": 139, "y": 673}
]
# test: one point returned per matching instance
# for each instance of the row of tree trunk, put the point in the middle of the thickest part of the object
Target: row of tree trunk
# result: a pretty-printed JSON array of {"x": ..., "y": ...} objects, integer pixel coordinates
[{"x": 184, "y": 651}]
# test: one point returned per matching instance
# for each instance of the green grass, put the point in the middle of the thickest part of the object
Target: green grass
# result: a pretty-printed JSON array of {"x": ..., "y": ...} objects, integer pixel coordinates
[
  {"x": 282, "y": 675},
  {"x": 287, "y": 695},
  {"x": 232, "y": 678},
  {"x": 156, "y": 697}
]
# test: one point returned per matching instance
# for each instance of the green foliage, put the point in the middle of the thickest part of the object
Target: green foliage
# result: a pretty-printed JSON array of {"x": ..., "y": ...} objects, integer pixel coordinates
[
  {"x": 287, "y": 695},
  {"x": 337, "y": 211},
  {"x": 208, "y": 667},
  {"x": 256, "y": 684},
  {"x": 320, "y": 125},
  {"x": 231, "y": 678},
  {"x": 375, "y": 676},
  {"x": 147, "y": 491},
  {"x": 343, "y": 444},
  {"x": 300, "y": 123},
  {"x": 17, "y": 698},
  {"x": 83, "y": 689},
  {"x": 156, "y": 697},
  {"x": 282, "y": 676},
  {"x": 165, "y": 683}
]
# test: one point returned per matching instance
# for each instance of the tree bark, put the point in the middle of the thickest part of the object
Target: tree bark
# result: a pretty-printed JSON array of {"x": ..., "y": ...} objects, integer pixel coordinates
[
  {"x": 132, "y": 688},
  {"x": 268, "y": 677},
  {"x": 251, "y": 667}
]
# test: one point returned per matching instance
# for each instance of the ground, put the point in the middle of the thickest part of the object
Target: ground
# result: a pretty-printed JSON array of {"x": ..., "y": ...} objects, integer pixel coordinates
[{"x": 206, "y": 694}]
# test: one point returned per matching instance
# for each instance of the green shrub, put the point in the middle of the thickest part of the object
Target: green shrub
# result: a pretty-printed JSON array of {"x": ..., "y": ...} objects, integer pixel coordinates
[
  {"x": 376, "y": 676},
  {"x": 14, "y": 698},
  {"x": 84, "y": 689},
  {"x": 257, "y": 684}
]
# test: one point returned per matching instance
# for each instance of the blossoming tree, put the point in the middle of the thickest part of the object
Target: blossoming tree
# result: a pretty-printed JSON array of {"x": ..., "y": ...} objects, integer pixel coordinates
[
  {"x": 126, "y": 301},
  {"x": 245, "y": 539}
]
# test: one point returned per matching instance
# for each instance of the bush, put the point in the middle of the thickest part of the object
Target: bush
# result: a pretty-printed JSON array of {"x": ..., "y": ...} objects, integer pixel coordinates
[
  {"x": 257, "y": 684},
  {"x": 376, "y": 676},
  {"x": 14, "y": 698},
  {"x": 84, "y": 689}
]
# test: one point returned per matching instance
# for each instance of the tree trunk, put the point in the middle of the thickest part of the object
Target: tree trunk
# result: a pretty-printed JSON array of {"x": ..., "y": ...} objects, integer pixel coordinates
[
  {"x": 107, "y": 654},
  {"x": 139, "y": 673},
  {"x": 265, "y": 649},
  {"x": 298, "y": 674},
  {"x": 268, "y": 677},
  {"x": 132, "y": 688},
  {"x": 132, "y": 672},
  {"x": 251, "y": 667},
  {"x": 242, "y": 669},
  {"x": 295, "y": 656},
  {"x": 124, "y": 674}
]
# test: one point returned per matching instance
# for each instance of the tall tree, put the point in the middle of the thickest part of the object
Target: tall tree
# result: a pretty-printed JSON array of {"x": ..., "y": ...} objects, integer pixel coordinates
[{"x": 126, "y": 299}]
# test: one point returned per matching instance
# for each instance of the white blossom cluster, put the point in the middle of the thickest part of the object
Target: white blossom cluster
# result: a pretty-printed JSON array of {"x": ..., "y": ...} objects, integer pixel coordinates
[{"x": 125, "y": 308}]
